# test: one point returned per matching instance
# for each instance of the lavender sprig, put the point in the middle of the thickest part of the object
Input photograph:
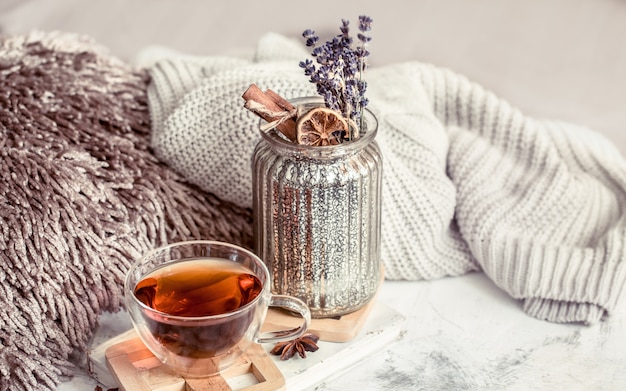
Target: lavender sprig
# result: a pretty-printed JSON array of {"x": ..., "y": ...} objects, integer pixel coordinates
[{"x": 338, "y": 68}]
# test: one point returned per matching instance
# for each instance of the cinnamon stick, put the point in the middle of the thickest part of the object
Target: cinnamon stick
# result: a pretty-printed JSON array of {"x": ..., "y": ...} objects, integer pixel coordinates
[
  {"x": 271, "y": 107},
  {"x": 280, "y": 101}
]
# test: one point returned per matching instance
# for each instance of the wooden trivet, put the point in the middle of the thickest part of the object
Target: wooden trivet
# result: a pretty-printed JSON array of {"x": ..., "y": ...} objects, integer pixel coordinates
[{"x": 135, "y": 368}]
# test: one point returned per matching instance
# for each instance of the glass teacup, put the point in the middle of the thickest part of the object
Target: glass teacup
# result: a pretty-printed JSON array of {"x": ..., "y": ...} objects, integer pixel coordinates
[{"x": 198, "y": 305}]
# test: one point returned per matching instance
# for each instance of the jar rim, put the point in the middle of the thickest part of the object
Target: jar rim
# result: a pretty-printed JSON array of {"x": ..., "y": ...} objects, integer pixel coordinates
[{"x": 276, "y": 139}]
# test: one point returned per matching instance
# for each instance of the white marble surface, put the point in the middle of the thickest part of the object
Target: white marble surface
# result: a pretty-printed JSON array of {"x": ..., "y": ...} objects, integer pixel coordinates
[{"x": 464, "y": 333}]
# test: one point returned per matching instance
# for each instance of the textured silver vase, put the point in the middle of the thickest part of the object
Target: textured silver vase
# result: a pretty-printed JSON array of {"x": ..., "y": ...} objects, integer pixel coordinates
[{"x": 317, "y": 213}]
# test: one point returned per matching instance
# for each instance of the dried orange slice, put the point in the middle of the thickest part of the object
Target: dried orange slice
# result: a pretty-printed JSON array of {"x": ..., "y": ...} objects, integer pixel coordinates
[{"x": 321, "y": 126}]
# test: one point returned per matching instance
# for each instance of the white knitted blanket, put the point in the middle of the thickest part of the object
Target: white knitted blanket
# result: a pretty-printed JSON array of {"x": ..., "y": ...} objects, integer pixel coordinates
[{"x": 470, "y": 183}]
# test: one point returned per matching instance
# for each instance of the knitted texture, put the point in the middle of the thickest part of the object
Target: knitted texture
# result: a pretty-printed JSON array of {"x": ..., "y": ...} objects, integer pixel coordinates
[
  {"x": 469, "y": 183},
  {"x": 82, "y": 198}
]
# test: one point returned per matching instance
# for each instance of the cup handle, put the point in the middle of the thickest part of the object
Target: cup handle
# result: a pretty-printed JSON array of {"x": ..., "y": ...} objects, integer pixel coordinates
[{"x": 293, "y": 304}]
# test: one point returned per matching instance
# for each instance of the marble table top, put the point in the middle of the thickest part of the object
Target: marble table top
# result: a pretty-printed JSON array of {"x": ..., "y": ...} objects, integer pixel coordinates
[{"x": 464, "y": 333}]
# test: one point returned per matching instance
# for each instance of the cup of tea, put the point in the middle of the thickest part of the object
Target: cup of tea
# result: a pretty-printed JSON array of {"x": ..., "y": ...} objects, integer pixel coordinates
[{"x": 198, "y": 305}]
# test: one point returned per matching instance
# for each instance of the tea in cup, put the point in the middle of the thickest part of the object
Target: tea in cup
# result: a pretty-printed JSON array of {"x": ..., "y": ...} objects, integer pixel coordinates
[{"x": 198, "y": 305}]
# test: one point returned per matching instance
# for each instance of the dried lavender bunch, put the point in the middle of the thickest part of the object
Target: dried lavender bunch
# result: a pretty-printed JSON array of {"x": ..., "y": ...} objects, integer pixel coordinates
[{"x": 338, "y": 74}]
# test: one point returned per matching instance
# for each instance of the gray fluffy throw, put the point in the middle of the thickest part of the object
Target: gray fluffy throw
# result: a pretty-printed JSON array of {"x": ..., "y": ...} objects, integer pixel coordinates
[{"x": 81, "y": 198}]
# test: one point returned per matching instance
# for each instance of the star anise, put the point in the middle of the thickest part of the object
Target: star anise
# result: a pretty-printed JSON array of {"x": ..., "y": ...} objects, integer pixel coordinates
[{"x": 286, "y": 350}]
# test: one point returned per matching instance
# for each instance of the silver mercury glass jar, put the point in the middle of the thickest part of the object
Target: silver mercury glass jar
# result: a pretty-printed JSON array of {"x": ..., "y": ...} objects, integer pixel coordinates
[{"x": 317, "y": 218}]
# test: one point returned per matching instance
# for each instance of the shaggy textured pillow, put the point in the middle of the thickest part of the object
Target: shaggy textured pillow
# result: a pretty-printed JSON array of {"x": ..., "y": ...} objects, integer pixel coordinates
[{"x": 82, "y": 197}]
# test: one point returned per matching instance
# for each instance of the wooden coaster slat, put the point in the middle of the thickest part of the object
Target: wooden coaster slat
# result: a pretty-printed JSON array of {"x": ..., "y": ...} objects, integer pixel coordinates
[
  {"x": 215, "y": 383},
  {"x": 123, "y": 368},
  {"x": 262, "y": 371},
  {"x": 161, "y": 378},
  {"x": 243, "y": 366}
]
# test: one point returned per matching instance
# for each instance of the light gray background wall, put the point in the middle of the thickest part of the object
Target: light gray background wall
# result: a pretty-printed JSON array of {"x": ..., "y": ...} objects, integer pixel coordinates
[{"x": 558, "y": 59}]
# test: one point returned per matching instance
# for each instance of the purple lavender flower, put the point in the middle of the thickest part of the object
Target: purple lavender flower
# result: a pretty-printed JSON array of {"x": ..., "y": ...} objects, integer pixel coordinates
[
  {"x": 338, "y": 68},
  {"x": 345, "y": 27},
  {"x": 311, "y": 38},
  {"x": 365, "y": 23}
]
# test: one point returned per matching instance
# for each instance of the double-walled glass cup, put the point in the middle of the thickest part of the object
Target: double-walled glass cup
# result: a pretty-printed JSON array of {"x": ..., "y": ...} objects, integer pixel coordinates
[{"x": 201, "y": 346}]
